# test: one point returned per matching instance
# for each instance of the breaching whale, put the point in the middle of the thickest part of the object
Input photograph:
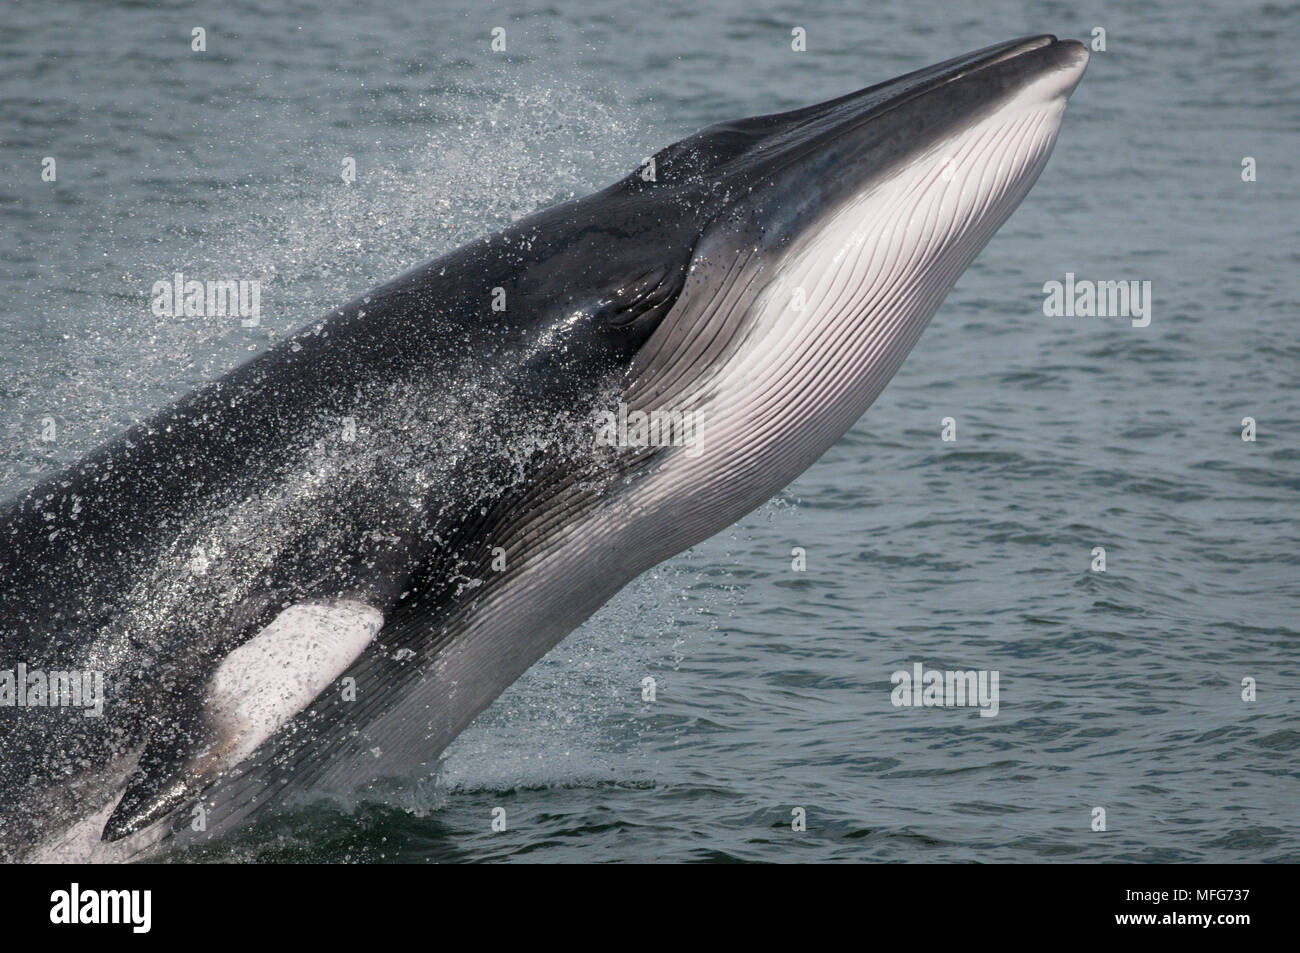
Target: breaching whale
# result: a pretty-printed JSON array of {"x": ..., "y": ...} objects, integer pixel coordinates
[{"x": 314, "y": 572}]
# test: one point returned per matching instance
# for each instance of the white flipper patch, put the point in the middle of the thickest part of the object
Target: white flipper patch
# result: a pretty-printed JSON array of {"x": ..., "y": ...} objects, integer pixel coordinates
[
  {"x": 278, "y": 672},
  {"x": 255, "y": 690}
]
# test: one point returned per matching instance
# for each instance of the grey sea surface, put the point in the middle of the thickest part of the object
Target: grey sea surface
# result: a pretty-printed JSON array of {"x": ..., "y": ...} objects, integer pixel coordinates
[{"x": 1120, "y": 690}]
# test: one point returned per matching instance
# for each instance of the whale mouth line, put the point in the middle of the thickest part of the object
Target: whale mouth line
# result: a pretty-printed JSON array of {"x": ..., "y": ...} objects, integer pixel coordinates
[{"x": 900, "y": 101}]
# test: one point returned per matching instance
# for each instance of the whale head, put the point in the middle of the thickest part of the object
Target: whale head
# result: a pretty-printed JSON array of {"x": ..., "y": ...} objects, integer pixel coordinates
[{"x": 834, "y": 232}]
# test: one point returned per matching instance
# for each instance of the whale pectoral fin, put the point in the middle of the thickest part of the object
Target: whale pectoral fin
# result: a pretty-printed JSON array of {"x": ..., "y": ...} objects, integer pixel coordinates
[{"x": 255, "y": 690}]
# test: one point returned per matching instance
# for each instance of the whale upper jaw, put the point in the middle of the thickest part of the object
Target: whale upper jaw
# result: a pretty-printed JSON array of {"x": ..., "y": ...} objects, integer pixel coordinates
[{"x": 788, "y": 171}]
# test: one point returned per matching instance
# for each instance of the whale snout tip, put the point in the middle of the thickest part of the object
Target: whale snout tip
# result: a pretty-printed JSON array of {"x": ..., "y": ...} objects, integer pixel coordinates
[
  {"x": 1075, "y": 55},
  {"x": 1061, "y": 64},
  {"x": 1074, "y": 61}
]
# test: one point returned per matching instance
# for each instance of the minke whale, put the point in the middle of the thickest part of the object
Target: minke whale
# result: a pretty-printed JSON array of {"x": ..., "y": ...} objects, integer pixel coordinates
[{"x": 311, "y": 574}]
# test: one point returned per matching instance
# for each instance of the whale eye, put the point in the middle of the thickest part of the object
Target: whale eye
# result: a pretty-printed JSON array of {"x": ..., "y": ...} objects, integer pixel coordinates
[{"x": 641, "y": 302}]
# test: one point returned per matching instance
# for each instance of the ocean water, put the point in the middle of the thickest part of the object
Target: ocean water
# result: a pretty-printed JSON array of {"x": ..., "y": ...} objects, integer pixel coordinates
[{"x": 1119, "y": 690}]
